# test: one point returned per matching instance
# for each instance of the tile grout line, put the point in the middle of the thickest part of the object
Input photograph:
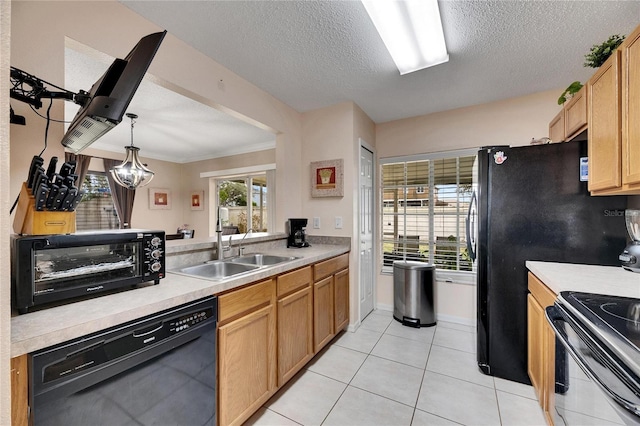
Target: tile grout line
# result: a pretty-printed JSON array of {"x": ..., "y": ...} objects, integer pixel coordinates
[{"x": 354, "y": 375}]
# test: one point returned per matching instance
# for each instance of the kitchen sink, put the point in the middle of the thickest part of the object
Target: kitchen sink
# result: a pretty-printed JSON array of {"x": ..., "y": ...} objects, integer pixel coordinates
[
  {"x": 261, "y": 259},
  {"x": 217, "y": 270}
]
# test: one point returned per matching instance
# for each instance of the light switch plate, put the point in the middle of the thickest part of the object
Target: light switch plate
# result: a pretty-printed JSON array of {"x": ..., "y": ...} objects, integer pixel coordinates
[
  {"x": 338, "y": 222},
  {"x": 316, "y": 223}
]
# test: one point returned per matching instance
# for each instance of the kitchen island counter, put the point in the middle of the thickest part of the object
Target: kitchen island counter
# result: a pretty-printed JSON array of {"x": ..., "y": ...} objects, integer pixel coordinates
[
  {"x": 611, "y": 280},
  {"x": 42, "y": 328}
]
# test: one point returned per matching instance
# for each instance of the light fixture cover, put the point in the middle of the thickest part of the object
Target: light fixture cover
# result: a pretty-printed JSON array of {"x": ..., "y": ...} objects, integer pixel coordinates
[
  {"x": 411, "y": 30},
  {"x": 131, "y": 173}
]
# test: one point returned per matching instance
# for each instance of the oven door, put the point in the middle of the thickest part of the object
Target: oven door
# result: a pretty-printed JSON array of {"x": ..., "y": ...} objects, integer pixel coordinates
[{"x": 589, "y": 377}]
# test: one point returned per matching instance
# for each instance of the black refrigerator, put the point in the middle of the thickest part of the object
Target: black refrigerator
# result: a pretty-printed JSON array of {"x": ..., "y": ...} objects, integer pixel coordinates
[{"x": 532, "y": 205}]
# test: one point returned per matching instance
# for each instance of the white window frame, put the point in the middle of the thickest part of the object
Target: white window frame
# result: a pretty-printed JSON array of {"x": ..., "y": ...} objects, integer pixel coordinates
[
  {"x": 454, "y": 276},
  {"x": 246, "y": 173}
]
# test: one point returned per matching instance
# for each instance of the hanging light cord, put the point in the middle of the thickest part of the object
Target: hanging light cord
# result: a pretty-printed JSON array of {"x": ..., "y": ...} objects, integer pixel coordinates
[{"x": 133, "y": 121}]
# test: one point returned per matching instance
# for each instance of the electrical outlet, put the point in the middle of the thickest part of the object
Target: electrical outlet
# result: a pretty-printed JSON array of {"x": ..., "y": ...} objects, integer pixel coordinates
[
  {"x": 316, "y": 223},
  {"x": 338, "y": 222}
]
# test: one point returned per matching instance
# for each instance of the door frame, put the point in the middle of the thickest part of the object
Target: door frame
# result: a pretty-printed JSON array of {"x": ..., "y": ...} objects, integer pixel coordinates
[{"x": 374, "y": 236}]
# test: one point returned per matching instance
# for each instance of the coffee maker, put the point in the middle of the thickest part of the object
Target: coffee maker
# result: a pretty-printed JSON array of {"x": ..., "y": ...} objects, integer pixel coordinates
[
  {"x": 295, "y": 229},
  {"x": 630, "y": 257}
]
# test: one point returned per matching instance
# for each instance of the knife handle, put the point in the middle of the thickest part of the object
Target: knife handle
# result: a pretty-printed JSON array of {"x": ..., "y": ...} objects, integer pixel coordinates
[
  {"x": 71, "y": 194},
  {"x": 57, "y": 202},
  {"x": 40, "y": 176},
  {"x": 35, "y": 162},
  {"x": 51, "y": 170},
  {"x": 66, "y": 169},
  {"x": 41, "y": 196},
  {"x": 53, "y": 193},
  {"x": 76, "y": 201}
]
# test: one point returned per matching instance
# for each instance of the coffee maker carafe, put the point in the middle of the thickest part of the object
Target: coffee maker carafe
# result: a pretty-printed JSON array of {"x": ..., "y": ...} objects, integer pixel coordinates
[
  {"x": 630, "y": 257},
  {"x": 295, "y": 229}
]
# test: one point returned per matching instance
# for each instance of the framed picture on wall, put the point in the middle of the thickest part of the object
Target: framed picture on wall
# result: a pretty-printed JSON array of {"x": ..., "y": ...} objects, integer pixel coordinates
[
  {"x": 327, "y": 178},
  {"x": 197, "y": 200},
  {"x": 159, "y": 199}
]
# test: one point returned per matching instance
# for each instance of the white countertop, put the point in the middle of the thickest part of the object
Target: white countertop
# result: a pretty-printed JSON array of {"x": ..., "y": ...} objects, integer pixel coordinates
[
  {"x": 40, "y": 329},
  {"x": 611, "y": 280}
]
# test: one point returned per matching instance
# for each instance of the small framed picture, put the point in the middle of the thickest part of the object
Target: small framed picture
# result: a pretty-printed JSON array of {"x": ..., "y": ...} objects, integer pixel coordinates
[
  {"x": 327, "y": 178},
  {"x": 159, "y": 199},
  {"x": 197, "y": 200}
]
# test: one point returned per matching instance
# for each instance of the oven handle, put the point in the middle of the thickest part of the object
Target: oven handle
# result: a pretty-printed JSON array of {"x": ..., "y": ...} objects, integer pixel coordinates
[{"x": 554, "y": 315}]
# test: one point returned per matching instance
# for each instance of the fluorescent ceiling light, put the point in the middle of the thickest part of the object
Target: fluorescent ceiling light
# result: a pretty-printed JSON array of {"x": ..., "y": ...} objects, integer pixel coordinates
[{"x": 411, "y": 30}]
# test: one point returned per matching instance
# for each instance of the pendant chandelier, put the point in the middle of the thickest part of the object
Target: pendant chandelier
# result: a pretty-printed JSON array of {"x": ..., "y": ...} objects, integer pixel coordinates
[{"x": 131, "y": 173}]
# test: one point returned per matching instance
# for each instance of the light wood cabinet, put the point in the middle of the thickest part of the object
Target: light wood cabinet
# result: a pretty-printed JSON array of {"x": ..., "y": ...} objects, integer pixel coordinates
[
  {"x": 541, "y": 345},
  {"x": 614, "y": 131},
  {"x": 341, "y": 299},
  {"x": 19, "y": 391},
  {"x": 323, "y": 313},
  {"x": 604, "y": 126},
  {"x": 330, "y": 299},
  {"x": 556, "y": 127},
  {"x": 630, "y": 51},
  {"x": 575, "y": 115},
  {"x": 246, "y": 351},
  {"x": 295, "y": 322},
  {"x": 572, "y": 120}
]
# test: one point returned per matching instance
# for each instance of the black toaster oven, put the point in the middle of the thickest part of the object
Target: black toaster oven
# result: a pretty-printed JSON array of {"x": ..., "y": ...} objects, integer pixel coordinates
[{"x": 53, "y": 268}]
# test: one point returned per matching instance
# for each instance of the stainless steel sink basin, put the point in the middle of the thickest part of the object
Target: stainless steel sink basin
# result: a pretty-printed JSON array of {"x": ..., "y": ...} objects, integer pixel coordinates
[
  {"x": 217, "y": 270},
  {"x": 260, "y": 259}
]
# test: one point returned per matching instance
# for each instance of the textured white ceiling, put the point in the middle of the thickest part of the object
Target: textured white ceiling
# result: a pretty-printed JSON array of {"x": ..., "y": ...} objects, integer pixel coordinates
[{"x": 312, "y": 54}]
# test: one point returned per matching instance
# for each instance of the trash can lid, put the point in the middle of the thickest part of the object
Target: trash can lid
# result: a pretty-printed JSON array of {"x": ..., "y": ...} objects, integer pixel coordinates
[{"x": 412, "y": 264}]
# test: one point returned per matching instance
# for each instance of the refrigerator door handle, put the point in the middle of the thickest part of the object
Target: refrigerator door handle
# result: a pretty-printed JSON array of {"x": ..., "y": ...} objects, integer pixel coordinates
[{"x": 472, "y": 215}]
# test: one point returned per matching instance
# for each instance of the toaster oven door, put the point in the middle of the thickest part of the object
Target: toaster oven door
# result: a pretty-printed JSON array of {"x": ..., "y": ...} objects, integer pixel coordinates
[{"x": 84, "y": 269}]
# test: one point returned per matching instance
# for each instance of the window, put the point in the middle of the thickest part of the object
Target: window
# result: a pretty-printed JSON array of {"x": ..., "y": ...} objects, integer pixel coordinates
[
  {"x": 425, "y": 200},
  {"x": 96, "y": 210},
  {"x": 243, "y": 197}
]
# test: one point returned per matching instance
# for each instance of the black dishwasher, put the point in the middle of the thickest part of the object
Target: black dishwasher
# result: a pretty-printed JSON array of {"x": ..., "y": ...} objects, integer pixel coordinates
[{"x": 160, "y": 369}]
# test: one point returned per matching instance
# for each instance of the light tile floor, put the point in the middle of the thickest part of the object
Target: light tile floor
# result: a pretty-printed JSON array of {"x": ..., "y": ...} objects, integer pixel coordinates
[{"x": 389, "y": 374}]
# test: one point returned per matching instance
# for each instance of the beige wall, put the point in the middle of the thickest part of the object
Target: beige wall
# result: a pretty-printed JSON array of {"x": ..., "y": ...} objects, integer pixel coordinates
[
  {"x": 42, "y": 53},
  {"x": 199, "y": 220},
  {"x": 5, "y": 225},
  {"x": 328, "y": 134},
  {"x": 508, "y": 122}
]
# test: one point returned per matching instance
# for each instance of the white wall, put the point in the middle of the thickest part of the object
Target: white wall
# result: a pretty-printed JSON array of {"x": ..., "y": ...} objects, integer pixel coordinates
[{"x": 508, "y": 122}]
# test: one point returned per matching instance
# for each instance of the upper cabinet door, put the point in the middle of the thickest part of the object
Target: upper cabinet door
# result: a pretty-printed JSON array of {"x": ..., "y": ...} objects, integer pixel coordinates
[
  {"x": 631, "y": 109},
  {"x": 605, "y": 155}
]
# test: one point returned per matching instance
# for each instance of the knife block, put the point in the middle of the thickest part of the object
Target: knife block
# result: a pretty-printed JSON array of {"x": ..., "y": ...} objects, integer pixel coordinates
[{"x": 30, "y": 221}]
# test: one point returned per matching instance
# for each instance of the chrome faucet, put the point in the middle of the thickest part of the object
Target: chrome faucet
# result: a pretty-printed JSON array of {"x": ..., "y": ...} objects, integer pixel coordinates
[
  {"x": 240, "y": 248},
  {"x": 220, "y": 248}
]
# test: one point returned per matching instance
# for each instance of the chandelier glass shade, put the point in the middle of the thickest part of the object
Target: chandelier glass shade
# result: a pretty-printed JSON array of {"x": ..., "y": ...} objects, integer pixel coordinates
[{"x": 131, "y": 173}]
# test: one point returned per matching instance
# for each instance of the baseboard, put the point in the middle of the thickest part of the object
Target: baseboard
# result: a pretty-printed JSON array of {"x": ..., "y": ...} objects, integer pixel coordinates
[
  {"x": 456, "y": 320},
  {"x": 440, "y": 317}
]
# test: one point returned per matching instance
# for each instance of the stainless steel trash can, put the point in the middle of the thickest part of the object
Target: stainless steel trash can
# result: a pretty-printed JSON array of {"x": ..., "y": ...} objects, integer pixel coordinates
[{"x": 413, "y": 298}]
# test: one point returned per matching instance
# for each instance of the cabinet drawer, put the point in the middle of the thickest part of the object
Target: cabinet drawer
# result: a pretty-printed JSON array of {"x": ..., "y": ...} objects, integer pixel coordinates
[
  {"x": 293, "y": 281},
  {"x": 541, "y": 292},
  {"x": 245, "y": 300},
  {"x": 329, "y": 267}
]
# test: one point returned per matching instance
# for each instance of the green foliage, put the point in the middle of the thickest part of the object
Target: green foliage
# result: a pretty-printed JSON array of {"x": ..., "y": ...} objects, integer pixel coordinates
[
  {"x": 599, "y": 53},
  {"x": 571, "y": 90},
  {"x": 233, "y": 194}
]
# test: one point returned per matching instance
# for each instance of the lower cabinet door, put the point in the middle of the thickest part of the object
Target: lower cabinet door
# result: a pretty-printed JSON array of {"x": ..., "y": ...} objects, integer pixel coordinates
[
  {"x": 323, "y": 323},
  {"x": 341, "y": 291},
  {"x": 535, "y": 343},
  {"x": 246, "y": 365},
  {"x": 295, "y": 333}
]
